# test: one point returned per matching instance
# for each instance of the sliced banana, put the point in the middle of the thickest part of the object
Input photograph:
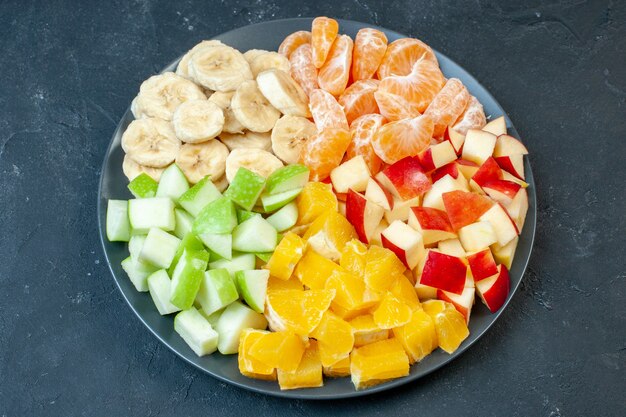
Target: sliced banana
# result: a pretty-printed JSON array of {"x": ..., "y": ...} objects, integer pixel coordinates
[
  {"x": 269, "y": 60},
  {"x": 251, "y": 108},
  {"x": 221, "y": 184},
  {"x": 256, "y": 160},
  {"x": 151, "y": 142},
  {"x": 223, "y": 99},
  {"x": 219, "y": 68},
  {"x": 197, "y": 121},
  {"x": 289, "y": 136},
  {"x": 183, "y": 66},
  {"x": 160, "y": 95},
  {"x": 283, "y": 92},
  {"x": 198, "y": 160},
  {"x": 132, "y": 169},
  {"x": 253, "y": 53},
  {"x": 253, "y": 140}
]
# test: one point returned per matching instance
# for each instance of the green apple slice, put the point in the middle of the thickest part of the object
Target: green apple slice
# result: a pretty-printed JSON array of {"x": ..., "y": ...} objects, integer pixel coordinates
[
  {"x": 173, "y": 183},
  {"x": 198, "y": 196},
  {"x": 287, "y": 178},
  {"x": 243, "y": 215},
  {"x": 245, "y": 188},
  {"x": 160, "y": 287},
  {"x": 135, "y": 244},
  {"x": 239, "y": 262},
  {"x": 233, "y": 320},
  {"x": 219, "y": 243},
  {"x": 218, "y": 216},
  {"x": 254, "y": 235},
  {"x": 159, "y": 248},
  {"x": 189, "y": 242},
  {"x": 145, "y": 213},
  {"x": 138, "y": 272},
  {"x": 143, "y": 186},
  {"x": 212, "y": 318},
  {"x": 117, "y": 225},
  {"x": 272, "y": 202},
  {"x": 187, "y": 277},
  {"x": 216, "y": 291},
  {"x": 252, "y": 285},
  {"x": 196, "y": 331},
  {"x": 184, "y": 223},
  {"x": 264, "y": 256},
  {"x": 285, "y": 218}
]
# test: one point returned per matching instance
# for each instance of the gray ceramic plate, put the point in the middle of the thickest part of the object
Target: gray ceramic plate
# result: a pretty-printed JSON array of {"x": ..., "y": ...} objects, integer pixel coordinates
[{"x": 269, "y": 35}]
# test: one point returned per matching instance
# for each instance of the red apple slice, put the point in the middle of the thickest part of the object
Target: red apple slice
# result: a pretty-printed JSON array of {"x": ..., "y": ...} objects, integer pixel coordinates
[
  {"x": 433, "y": 198},
  {"x": 482, "y": 265},
  {"x": 401, "y": 209},
  {"x": 352, "y": 174},
  {"x": 452, "y": 247},
  {"x": 378, "y": 194},
  {"x": 405, "y": 242},
  {"x": 518, "y": 208},
  {"x": 432, "y": 223},
  {"x": 508, "y": 145},
  {"x": 464, "y": 208},
  {"x": 405, "y": 179},
  {"x": 494, "y": 291},
  {"x": 438, "y": 155},
  {"x": 455, "y": 138},
  {"x": 502, "y": 191},
  {"x": 477, "y": 236},
  {"x": 448, "y": 169},
  {"x": 502, "y": 224},
  {"x": 376, "y": 238},
  {"x": 444, "y": 272},
  {"x": 364, "y": 215},
  {"x": 489, "y": 171},
  {"x": 463, "y": 302},
  {"x": 496, "y": 126},
  {"x": 466, "y": 168},
  {"x": 505, "y": 254},
  {"x": 513, "y": 164},
  {"x": 478, "y": 145}
]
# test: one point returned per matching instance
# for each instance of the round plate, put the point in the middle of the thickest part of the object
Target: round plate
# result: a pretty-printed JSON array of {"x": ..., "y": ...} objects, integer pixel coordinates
[{"x": 268, "y": 36}]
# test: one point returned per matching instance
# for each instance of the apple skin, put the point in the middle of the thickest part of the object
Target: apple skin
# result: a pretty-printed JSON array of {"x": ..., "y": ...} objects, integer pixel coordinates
[
  {"x": 502, "y": 191},
  {"x": 432, "y": 223},
  {"x": 488, "y": 171},
  {"x": 501, "y": 222},
  {"x": 455, "y": 138},
  {"x": 496, "y": 126},
  {"x": 444, "y": 272},
  {"x": 463, "y": 302},
  {"x": 378, "y": 194},
  {"x": 405, "y": 242},
  {"x": 513, "y": 164},
  {"x": 364, "y": 215},
  {"x": 405, "y": 179},
  {"x": 494, "y": 291},
  {"x": 482, "y": 265},
  {"x": 436, "y": 156},
  {"x": 508, "y": 145},
  {"x": 448, "y": 169},
  {"x": 464, "y": 208}
]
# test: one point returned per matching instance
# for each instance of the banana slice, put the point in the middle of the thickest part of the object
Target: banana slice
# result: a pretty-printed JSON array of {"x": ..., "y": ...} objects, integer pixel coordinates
[
  {"x": 253, "y": 53},
  {"x": 221, "y": 184},
  {"x": 197, "y": 121},
  {"x": 183, "y": 66},
  {"x": 151, "y": 142},
  {"x": 256, "y": 160},
  {"x": 231, "y": 124},
  {"x": 289, "y": 136},
  {"x": 269, "y": 60},
  {"x": 252, "y": 140},
  {"x": 197, "y": 160},
  {"x": 252, "y": 110},
  {"x": 161, "y": 94},
  {"x": 132, "y": 169},
  {"x": 283, "y": 92},
  {"x": 219, "y": 68}
]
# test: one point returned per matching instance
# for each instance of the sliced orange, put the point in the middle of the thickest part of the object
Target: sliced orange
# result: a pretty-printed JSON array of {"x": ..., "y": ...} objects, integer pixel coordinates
[
  {"x": 335, "y": 338},
  {"x": 248, "y": 365},
  {"x": 326, "y": 111},
  {"x": 313, "y": 270},
  {"x": 473, "y": 117},
  {"x": 297, "y": 311},
  {"x": 333, "y": 76},
  {"x": 308, "y": 374},
  {"x": 315, "y": 199},
  {"x": 302, "y": 68},
  {"x": 324, "y": 151},
  {"x": 404, "y": 291},
  {"x": 362, "y": 131},
  {"x": 358, "y": 99},
  {"x": 391, "y": 312},
  {"x": 395, "y": 107},
  {"x": 353, "y": 257},
  {"x": 450, "y": 325},
  {"x": 323, "y": 33},
  {"x": 369, "y": 49},
  {"x": 366, "y": 331},
  {"x": 277, "y": 284},
  {"x": 286, "y": 255},
  {"x": 292, "y": 42},
  {"x": 378, "y": 362},
  {"x": 281, "y": 350},
  {"x": 329, "y": 233},
  {"x": 382, "y": 268},
  {"x": 403, "y": 138},
  {"x": 401, "y": 55},
  {"x": 338, "y": 369},
  {"x": 352, "y": 298},
  {"x": 418, "y": 336},
  {"x": 448, "y": 105}
]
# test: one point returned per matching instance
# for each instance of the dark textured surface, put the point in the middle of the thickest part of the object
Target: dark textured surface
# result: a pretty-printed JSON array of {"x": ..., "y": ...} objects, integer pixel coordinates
[{"x": 69, "y": 345}]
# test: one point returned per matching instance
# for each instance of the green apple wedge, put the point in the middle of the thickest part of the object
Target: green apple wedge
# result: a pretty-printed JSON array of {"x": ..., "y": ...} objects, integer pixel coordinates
[
  {"x": 264, "y": 256},
  {"x": 252, "y": 285},
  {"x": 173, "y": 183},
  {"x": 145, "y": 213},
  {"x": 285, "y": 218},
  {"x": 287, "y": 178},
  {"x": 272, "y": 202},
  {"x": 239, "y": 262},
  {"x": 196, "y": 331},
  {"x": 198, "y": 196},
  {"x": 218, "y": 243},
  {"x": 189, "y": 242},
  {"x": 217, "y": 290},
  {"x": 233, "y": 320},
  {"x": 187, "y": 277},
  {"x": 159, "y": 248},
  {"x": 213, "y": 317},
  {"x": 135, "y": 244},
  {"x": 254, "y": 235},
  {"x": 243, "y": 215},
  {"x": 245, "y": 188},
  {"x": 138, "y": 272},
  {"x": 117, "y": 223},
  {"x": 143, "y": 186},
  {"x": 219, "y": 216},
  {"x": 184, "y": 223},
  {"x": 160, "y": 286}
]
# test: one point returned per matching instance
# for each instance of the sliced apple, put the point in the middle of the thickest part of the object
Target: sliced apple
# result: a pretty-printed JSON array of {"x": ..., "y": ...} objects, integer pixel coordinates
[
  {"x": 510, "y": 177},
  {"x": 518, "y": 208},
  {"x": 462, "y": 302},
  {"x": 488, "y": 171},
  {"x": 482, "y": 265},
  {"x": 508, "y": 145},
  {"x": 448, "y": 169},
  {"x": 455, "y": 138},
  {"x": 405, "y": 242},
  {"x": 436, "y": 156},
  {"x": 364, "y": 215},
  {"x": 497, "y": 126},
  {"x": 376, "y": 236},
  {"x": 466, "y": 168},
  {"x": 502, "y": 191},
  {"x": 477, "y": 236},
  {"x": 444, "y": 185},
  {"x": 478, "y": 146},
  {"x": 375, "y": 192},
  {"x": 513, "y": 164},
  {"x": 352, "y": 174},
  {"x": 444, "y": 272},
  {"x": 464, "y": 208},
  {"x": 424, "y": 292},
  {"x": 502, "y": 224},
  {"x": 432, "y": 223},
  {"x": 405, "y": 179},
  {"x": 401, "y": 209},
  {"x": 452, "y": 247},
  {"x": 494, "y": 290},
  {"x": 504, "y": 254}
]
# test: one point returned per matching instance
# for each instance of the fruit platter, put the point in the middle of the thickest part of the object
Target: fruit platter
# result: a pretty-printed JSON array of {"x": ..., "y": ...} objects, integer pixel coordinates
[{"x": 316, "y": 208}]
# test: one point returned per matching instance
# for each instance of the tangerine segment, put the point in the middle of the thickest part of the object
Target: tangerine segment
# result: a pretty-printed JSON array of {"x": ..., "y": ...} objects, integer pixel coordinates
[
  {"x": 358, "y": 99},
  {"x": 362, "y": 131},
  {"x": 248, "y": 365},
  {"x": 326, "y": 111},
  {"x": 378, "y": 362},
  {"x": 404, "y": 291},
  {"x": 408, "y": 137},
  {"x": 315, "y": 199},
  {"x": 353, "y": 257},
  {"x": 324, "y": 151},
  {"x": 297, "y": 311},
  {"x": 324, "y": 30},
  {"x": 352, "y": 297},
  {"x": 302, "y": 68},
  {"x": 450, "y": 325},
  {"x": 448, "y": 105},
  {"x": 335, "y": 338},
  {"x": 395, "y": 107},
  {"x": 418, "y": 336},
  {"x": 335, "y": 73},
  {"x": 369, "y": 49},
  {"x": 308, "y": 374},
  {"x": 277, "y": 284},
  {"x": 286, "y": 256},
  {"x": 313, "y": 270},
  {"x": 401, "y": 55},
  {"x": 418, "y": 87},
  {"x": 382, "y": 267},
  {"x": 473, "y": 117},
  {"x": 281, "y": 350},
  {"x": 391, "y": 313},
  {"x": 366, "y": 331},
  {"x": 329, "y": 233},
  {"x": 339, "y": 369},
  {"x": 292, "y": 42}
]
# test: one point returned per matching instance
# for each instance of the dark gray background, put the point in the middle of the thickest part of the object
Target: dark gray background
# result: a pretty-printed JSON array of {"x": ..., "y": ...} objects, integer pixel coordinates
[{"x": 69, "y": 345}]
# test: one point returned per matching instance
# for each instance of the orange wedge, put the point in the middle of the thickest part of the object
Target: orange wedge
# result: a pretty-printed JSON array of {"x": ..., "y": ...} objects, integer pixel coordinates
[
  {"x": 297, "y": 311},
  {"x": 382, "y": 268},
  {"x": 391, "y": 313},
  {"x": 378, "y": 362},
  {"x": 313, "y": 270},
  {"x": 450, "y": 325},
  {"x": 329, "y": 233},
  {"x": 308, "y": 374},
  {"x": 315, "y": 198},
  {"x": 366, "y": 331},
  {"x": 418, "y": 336},
  {"x": 281, "y": 350},
  {"x": 249, "y": 366},
  {"x": 286, "y": 256},
  {"x": 335, "y": 338}
]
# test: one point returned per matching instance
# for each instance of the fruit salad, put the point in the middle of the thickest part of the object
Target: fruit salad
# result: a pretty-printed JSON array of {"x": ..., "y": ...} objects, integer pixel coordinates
[{"x": 332, "y": 209}]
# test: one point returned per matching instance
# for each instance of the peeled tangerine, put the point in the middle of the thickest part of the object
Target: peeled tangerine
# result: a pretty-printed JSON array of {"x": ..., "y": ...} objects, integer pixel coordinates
[
  {"x": 335, "y": 338},
  {"x": 280, "y": 350},
  {"x": 248, "y": 365},
  {"x": 352, "y": 297},
  {"x": 450, "y": 325},
  {"x": 381, "y": 268},
  {"x": 324, "y": 151},
  {"x": 308, "y": 374},
  {"x": 418, "y": 336},
  {"x": 378, "y": 362},
  {"x": 313, "y": 270},
  {"x": 315, "y": 198},
  {"x": 297, "y": 311},
  {"x": 329, "y": 233},
  {"x": 286, "y": 256}
]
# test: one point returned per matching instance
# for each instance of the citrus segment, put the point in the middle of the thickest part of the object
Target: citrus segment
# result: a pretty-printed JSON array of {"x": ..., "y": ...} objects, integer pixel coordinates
[
  {"x": 313, "y": 270},
  {"x": 302, "y": 69},
  {"x": 448, "y": 105},
  {"x": 248, "y": 365},
  {"x": 395, "y": 107},
  {"x": 450, "y": 325},
  {"x": 326, "y": 111},
  {"x": 323, "y": 33},
  {"x": 308, "y": 374},
  {"x": 329, "y": 233},
  {"x": 391, "y": 313},
  {"x": 324, "y": 151},
  {"x": 335, "y": 338},
  {"x": 292, "y": 42},
  {"x": 402, "y": 54},
  {"x": 473, "y": 117},
  {"x": 418, "y": 336},
  {"x": 339, "y": 369},
  {"x": 334, "y": 74},
  {"x": 281, "y": 350},
  {"x": 358, "y": 99},
  {"x": 297, "y": 311},
  {"x": 286, "y": 256},
  {"x": 382, "y": 268},
  {"x": 315, "y": 199},
  {"x": 377, "y": 362},
  {"x": 277, "y": 284},
  {"x": 352, "y": 298},
  {"x": 353, "y": 257},
  {"x": 403, "y": 138},
  {"x": 369, "y": 49},
  {"x": 404, "y": 291},
  {"x": 366, "y": 331},
  {"x": 362, "y": 131}
]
